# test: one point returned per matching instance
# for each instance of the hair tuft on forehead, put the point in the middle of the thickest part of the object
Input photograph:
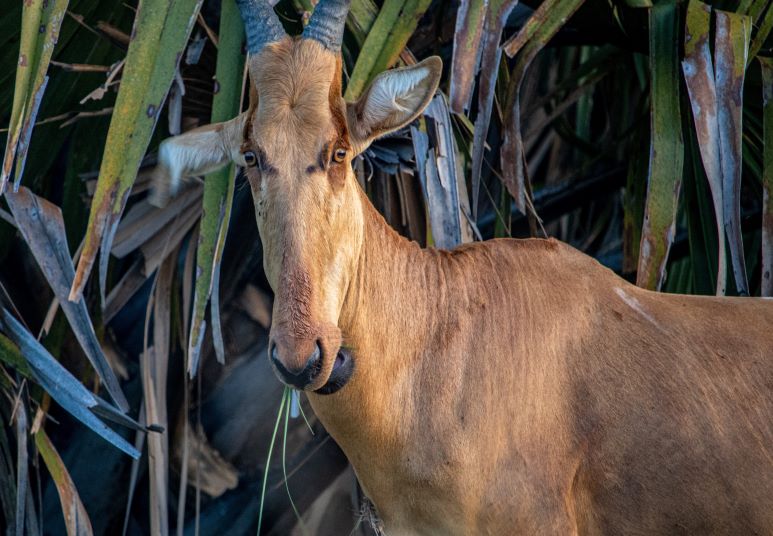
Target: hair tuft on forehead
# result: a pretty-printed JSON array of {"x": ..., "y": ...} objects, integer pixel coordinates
[{"x": 298, "y": 89}]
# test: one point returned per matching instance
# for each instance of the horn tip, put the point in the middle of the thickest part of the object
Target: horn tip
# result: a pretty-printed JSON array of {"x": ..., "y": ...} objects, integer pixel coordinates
[{"x": 327, "y": 23}]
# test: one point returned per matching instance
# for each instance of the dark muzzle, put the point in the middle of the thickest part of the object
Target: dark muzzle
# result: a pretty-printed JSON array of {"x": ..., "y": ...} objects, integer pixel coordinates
[{"x": 298, "y": 378}]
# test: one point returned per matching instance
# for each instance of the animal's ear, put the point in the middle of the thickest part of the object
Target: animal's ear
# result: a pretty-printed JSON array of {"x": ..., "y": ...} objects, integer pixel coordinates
[
  {"x": 194, "y": 153},
  {"x": 394, "y": 99}
]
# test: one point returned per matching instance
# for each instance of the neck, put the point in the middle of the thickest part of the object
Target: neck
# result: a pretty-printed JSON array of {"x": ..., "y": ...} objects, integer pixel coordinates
[
  {"x": 389, "y": 270},
  {"x": 413, "y": 319},
  {"x": 388, "y": 296}
]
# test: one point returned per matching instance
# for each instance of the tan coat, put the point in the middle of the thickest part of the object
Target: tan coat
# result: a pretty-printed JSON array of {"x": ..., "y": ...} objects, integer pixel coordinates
[
  {"x": 519, "y": 387},
  {"x": 505, "y": 387}
]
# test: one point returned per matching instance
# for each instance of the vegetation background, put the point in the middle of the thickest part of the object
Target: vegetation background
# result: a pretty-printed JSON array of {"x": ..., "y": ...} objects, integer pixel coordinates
[{"x": 135, "y": 396}]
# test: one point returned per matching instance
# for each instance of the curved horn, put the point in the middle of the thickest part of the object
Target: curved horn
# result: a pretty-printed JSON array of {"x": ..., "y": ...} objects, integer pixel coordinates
[
  {"x": 260, "y": 24},
  {"x": 327, "y": 23}
]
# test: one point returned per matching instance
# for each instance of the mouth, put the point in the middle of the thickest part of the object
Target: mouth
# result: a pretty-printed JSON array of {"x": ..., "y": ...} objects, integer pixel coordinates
[{"x": 343, "y": 368}]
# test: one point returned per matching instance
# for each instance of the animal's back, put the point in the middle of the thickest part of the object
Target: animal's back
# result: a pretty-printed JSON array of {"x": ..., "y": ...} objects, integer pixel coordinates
[{"x": 588, "y": 404}]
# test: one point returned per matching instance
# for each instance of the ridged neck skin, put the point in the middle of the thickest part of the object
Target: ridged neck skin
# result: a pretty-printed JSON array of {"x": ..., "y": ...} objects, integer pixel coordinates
[{"x": 496, "y": 385}]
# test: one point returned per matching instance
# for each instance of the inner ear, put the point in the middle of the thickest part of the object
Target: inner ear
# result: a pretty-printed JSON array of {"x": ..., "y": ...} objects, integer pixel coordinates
[{"x": 394, "y": 99}]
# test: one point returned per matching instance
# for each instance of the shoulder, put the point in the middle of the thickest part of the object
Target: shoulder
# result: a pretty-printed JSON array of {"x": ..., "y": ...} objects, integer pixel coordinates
[{"x": 529, "y": 258}]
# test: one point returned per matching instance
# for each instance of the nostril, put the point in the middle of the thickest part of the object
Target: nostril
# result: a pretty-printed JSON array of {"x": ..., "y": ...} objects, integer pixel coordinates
[
  {"x": 316, "y": 354},
  {"x": 314, "y": 364},
  {"x": 302, "y": 377}
]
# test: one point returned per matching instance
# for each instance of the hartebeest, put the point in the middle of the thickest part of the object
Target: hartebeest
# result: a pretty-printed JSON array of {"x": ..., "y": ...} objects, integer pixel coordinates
[{"x": 508, "y": 386}]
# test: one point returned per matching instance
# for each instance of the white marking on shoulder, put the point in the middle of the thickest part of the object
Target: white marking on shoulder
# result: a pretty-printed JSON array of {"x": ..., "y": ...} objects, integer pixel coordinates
[{"x": 634, "y": 304}]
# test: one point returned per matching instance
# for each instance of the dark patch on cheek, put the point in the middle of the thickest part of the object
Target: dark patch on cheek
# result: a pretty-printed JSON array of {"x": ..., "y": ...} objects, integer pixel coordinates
[
  {"x": 265, "y": 167},
  {"x": 323, "y": 159}
]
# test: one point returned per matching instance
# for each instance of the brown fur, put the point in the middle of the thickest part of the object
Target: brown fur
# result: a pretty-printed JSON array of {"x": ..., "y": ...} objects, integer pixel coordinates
[
  {"x": 506, "y": 387},
  {"x": 509, "y": 386}
]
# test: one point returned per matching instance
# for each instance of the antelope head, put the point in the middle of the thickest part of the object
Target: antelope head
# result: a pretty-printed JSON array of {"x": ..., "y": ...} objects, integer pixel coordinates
[{"x": 296, "y": 142}]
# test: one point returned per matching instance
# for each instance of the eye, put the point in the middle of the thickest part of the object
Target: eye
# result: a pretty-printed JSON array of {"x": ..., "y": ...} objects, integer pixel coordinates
[
  {"x": 250, "y": 158},
  {"x": 339, "y": 155}
]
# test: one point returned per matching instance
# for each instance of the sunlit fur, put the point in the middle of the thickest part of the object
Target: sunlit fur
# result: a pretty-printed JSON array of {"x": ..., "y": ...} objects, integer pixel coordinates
[
  {"x": 309, "y": 222},
  {"x": 509, "y": 386}
]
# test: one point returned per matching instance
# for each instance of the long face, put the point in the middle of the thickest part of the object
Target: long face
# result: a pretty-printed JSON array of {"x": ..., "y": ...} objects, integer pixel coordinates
[
  {"x": 306, "y": 204},
  {"x": 297, "y": 142}
]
